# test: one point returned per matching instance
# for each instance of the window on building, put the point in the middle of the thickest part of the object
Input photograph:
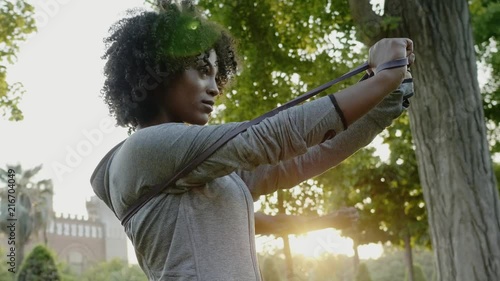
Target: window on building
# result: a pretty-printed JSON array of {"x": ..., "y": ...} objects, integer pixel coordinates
[
  {"x": 51, "y": 227},
  {"x": 59, "y": 228},
  {"x": 66, "y": 229},
  {"x": 80, "y": 230}
]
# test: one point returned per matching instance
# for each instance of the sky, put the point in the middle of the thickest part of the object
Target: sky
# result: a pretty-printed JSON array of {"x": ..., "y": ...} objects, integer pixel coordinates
[{"x": 66, "y": 125}]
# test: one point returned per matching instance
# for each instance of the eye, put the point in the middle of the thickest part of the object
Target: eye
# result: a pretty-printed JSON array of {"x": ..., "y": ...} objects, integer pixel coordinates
[{"x": 204, "y": 69}]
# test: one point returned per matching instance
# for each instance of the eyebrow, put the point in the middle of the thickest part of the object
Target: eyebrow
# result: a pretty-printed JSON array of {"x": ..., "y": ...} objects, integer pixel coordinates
[{"x": 204, "y": 61}]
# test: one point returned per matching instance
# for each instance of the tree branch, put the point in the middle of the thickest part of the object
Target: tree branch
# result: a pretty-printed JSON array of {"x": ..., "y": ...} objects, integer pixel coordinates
[{"x": 369, "y": 25}]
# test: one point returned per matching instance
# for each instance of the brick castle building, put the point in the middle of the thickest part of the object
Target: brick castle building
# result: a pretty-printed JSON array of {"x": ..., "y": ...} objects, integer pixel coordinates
[{"x": 83, "y": 242}]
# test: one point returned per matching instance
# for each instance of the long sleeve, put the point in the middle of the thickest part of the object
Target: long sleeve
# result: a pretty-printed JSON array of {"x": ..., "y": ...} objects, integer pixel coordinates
[{"x": 320, "y": 158}]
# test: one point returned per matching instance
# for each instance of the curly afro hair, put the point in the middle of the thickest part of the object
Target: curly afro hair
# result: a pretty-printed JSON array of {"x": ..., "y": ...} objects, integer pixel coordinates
[{"x": 148, "y": 49}]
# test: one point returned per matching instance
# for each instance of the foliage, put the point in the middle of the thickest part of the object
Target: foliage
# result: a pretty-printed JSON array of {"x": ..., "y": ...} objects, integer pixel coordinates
[
  {"x": 496, "y": 168},
  {"x": 391, "y": 266},
  {"x": 16, "y": 22},
  {"x": 388, "y": 195},
  {"x": 285, "y": 49},
  {"x": 39, "y": 266},
  {"x": 114, "y": 270},
  {"x": 323, "y": 268},
  {"x": 363, "y": 273},
  {"x": 33, "y": 202},
  {"x": 485, "y": 15},
  {"x": 67, "y": 274},
  {"x": 403, "y": 162}
]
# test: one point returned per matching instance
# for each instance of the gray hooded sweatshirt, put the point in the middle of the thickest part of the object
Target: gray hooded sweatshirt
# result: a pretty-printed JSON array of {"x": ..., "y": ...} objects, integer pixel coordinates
[{"x": 203, "y": 227}]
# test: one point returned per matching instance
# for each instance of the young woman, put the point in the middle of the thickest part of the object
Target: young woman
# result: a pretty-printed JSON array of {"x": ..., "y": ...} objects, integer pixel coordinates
[{"x": 163, "y": 73}]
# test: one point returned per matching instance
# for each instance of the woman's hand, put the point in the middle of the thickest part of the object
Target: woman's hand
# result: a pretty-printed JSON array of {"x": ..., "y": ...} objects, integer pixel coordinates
[{"x": 390, "y": 49}]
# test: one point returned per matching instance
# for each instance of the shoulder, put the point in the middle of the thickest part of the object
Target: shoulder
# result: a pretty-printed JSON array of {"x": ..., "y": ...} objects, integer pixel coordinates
[{"x": 172, "y": 139}]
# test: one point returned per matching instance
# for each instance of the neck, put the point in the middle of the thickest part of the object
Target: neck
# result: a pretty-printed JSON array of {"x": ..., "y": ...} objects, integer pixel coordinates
[{"x": 160, "y": 119}]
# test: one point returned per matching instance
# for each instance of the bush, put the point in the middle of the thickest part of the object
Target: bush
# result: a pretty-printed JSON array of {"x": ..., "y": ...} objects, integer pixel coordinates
[
  {"x": 39, "y": 266},
  {"x": 114, "y": 270}
]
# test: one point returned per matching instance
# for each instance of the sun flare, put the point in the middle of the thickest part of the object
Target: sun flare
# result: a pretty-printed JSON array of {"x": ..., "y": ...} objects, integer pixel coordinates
[{"x": 317, "y": 243}]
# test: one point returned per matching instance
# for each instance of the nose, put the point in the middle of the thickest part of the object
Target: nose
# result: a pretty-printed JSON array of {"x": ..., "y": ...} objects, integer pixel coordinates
[{"x": 212, "y": 88}]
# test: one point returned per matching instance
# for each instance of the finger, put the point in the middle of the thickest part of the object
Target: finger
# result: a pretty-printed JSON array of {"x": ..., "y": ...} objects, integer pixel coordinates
[
  {"x": 411, "y": 58},
  {"x": 409, "y": 46}
]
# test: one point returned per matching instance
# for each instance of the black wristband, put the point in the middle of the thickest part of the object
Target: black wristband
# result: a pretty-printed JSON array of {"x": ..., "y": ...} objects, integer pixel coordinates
[{"x": 339, "y": 111}]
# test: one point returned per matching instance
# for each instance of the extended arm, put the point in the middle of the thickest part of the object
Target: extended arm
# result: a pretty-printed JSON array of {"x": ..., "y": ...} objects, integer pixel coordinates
[
  {"x": 297, "y": 133},
  {"x": 267, "y": 178}
]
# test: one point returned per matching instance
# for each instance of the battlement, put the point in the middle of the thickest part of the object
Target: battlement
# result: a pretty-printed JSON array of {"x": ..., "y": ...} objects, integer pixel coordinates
[
  {"x": 65, "y": 216},
  {"x": 75, "y": 226}
]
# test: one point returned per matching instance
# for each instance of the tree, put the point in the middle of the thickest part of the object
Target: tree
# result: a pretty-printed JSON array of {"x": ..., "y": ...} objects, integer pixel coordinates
[
  {"x": 447, "y": 123},
  {"x": 39, "y": 266},
  {"x": 32, "y": 205},
  {"x": 16, "y": 22}
]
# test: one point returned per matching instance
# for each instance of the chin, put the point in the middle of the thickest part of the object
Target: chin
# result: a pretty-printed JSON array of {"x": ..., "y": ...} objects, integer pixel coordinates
[{"x": 200, "y": 120}]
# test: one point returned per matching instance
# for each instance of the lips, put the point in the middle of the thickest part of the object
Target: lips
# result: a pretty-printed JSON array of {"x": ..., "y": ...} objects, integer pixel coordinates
[
  {"x": 208, "y": 105},
  {"x": 209, "y": 102}
]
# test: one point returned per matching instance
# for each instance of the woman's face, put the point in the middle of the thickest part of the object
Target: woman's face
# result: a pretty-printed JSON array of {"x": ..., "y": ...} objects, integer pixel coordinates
[{"x": 191, "y": 96}]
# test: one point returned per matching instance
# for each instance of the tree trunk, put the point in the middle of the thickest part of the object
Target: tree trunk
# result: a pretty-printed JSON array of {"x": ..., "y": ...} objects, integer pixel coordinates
[
  {"x": 286, "y": 242},
  {"x": 288, "y": 258},
  {"x": 448, "y": 127},
  {"x": 20, "y": 256},
  {"x": 355, "y": 259},
  {"x": 409, "y": 256}
]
